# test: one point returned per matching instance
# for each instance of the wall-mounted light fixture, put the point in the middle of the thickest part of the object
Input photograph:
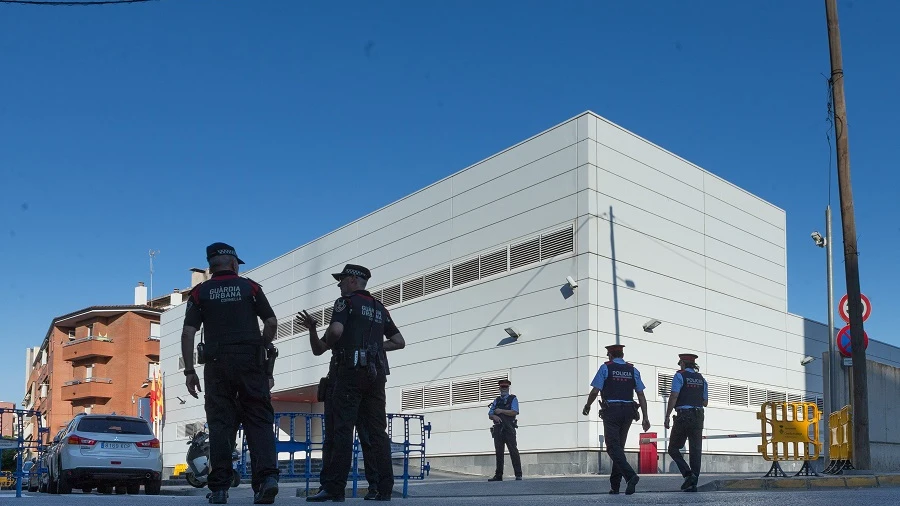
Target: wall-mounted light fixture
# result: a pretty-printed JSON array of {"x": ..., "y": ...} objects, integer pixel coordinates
[
  {"x": 572, "y": 283},
  {"x": 513, "y": 332},
  {"x": 652, "y": 324},
  {"x": 807, "y": 360}
]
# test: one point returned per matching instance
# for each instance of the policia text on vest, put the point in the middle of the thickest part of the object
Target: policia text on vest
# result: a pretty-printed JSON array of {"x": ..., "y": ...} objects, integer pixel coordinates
[
  {"x": 355, "y": 389},
  {"x": 617, "y": 381},
  {"x": 235, "y": 377}
]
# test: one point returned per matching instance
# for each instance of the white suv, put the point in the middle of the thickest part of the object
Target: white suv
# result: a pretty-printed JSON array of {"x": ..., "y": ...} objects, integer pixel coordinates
[{"x": 106, "y": 451}]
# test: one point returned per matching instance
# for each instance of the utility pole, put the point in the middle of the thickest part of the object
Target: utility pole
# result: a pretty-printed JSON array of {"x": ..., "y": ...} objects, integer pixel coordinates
[{"x": 861, "y": 456}]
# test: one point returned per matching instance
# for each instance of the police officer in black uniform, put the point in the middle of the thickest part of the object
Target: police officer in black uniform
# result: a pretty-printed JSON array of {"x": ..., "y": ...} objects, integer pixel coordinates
[
  {"x": 616, "y": 381},
  {"x": 503, "y": 411},
  {"x": 358, "y": 325},
  {"x": 319, "y": 347},
  {"x": 236, "y": 381},
  {"x": 690, "y": 394}
]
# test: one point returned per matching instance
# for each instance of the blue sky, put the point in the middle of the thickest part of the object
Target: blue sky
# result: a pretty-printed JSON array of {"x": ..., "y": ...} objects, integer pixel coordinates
[{"x": 173, "y": 124}]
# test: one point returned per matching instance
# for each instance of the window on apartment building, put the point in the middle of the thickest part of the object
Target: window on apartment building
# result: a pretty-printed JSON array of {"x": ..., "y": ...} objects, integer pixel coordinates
[
  {"x": 71, "y": 334},
  {"x": 89, "y": 371},
  {"x": 153, "y": 370},
  {"x": 154, "y": 330},
  {"x": 88, "y": 409},
  {"x": 90, "y": 328}
]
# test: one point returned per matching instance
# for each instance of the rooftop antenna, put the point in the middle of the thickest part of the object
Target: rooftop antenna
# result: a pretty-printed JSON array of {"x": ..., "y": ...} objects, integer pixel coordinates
[{"x": 152, "y": 254}]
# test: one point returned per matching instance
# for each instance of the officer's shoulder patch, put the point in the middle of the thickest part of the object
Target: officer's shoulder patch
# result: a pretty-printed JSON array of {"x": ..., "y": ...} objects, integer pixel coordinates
[{"x": 340, "y": 305}]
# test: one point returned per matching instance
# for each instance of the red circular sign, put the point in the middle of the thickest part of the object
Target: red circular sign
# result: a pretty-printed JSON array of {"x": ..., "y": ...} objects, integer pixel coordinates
[
  {"x": 844, "y": 307},
  {"x": 843, "y": 341}
]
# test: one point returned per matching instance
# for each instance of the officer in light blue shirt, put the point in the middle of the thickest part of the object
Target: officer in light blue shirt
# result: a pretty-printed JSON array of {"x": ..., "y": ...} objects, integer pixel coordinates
[
  {"x": 690, "y": 394},
  {"x": 503, "y": 413},
  {"x": 617, "y": 381}
]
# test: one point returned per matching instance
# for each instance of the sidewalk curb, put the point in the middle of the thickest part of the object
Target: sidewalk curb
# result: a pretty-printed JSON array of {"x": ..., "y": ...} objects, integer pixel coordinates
[{"x": 805, "y": 483}]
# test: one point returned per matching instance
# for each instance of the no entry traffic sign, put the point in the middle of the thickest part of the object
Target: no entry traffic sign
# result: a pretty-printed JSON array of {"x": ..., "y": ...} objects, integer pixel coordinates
[
  {"x": 843, "y": 341},
  {"x": 844, "y": 308}
]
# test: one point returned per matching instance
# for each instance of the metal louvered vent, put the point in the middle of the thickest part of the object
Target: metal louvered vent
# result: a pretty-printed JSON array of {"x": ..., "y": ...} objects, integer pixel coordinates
[
  {"x": 412, "y": 399},
  {"x": 465, "y": 392},
  {"x": 413, "y": 288},
  {"x": 494, "y": 263},
  {"x": 377, "y": 295},
  {"x": 557, "y": 243},
  {"x": 757, "y": 397},
  {"x": 525, "y": 253},
  {"x": 285, "y": 329},
  {"x": 737, "y": 395},
  {"x": 437, "y": 281},
  {"x": 664, "y": 384},
  {"x": 465, "y": 272},
  {"x": 820, "y": 402},
  {"x": 326, "y": 317},
  {"x": 718, "y": 392},
  {"x": 794, "y": 397},
  {"x": 775, "y": 396},
  {"x": 490, "y": 388},
  {"x": 437, "y": 395},
  {"x": 391, "y": 295}
]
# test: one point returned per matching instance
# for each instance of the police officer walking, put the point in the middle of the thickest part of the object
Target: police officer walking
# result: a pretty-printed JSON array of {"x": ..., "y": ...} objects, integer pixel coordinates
[
  {"x": 236, "y": 381},
  {"x": 617, "y": 381},
  {"x": 359, "y": 324},
  {"x": 503, "y": 412},
  {"x": 319, "y": 347},
  {"x": 690, "y": 394}
]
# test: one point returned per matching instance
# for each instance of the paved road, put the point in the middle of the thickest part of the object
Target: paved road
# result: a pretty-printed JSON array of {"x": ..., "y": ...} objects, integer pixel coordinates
[{"x": 860, "y": 497}]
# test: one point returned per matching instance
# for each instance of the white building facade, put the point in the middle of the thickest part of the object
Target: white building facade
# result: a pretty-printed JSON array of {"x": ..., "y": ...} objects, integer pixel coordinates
[{"x": 643, "y": 233}]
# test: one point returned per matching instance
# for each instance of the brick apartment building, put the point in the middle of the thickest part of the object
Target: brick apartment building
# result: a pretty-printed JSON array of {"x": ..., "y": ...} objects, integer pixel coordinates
[
  {"x": 94, "y": 360},
  {"x": 7, "y": 420},
  {"x": 97, "y": 360}
]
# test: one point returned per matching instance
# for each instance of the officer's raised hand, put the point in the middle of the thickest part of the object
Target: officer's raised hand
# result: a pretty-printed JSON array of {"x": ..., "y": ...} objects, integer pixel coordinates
[
  {"x": 192, "y": 381},
  {"x": 307, "y": 320}
]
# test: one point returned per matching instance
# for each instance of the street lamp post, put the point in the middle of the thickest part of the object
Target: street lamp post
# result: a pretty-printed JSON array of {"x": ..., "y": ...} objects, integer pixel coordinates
[{"x": 831, "y": 400}]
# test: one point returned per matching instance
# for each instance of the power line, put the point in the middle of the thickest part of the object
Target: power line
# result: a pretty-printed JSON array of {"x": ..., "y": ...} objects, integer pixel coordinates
[{"x": 71, "y": 3}]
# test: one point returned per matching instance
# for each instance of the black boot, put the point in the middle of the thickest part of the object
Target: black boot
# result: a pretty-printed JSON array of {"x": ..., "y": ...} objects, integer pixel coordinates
[
  {"x": 496, "y": 478},
  {"x": 218, "y": 497},
  {"x": 371, "y": 494},
  {"x": 323, "y": 496},
  {"x": 267, "y": 491}
]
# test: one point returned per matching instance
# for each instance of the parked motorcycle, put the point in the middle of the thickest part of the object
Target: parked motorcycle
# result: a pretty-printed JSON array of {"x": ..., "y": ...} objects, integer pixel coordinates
[{"x": 197, "y": 458}]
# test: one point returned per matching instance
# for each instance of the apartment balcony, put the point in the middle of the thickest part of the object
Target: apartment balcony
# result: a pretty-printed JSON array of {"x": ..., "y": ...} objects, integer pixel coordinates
[
  {"x": 87, "y": 388},
  {"x": 151, "y": 348},
  {"x": 88, "y": 347}
]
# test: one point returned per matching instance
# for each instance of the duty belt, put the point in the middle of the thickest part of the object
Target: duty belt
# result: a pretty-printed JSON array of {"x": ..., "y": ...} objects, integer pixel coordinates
[{"x": 238, "y": 349}]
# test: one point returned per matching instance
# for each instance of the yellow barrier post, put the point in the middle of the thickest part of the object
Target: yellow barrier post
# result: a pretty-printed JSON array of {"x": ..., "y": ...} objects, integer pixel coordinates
[
  {"x": 790, "y": 432},
  {"x": 841, "y": 448}
]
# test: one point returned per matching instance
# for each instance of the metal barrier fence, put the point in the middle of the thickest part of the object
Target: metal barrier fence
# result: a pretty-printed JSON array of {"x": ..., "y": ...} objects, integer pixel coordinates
[
  {"x": 21, "y": 444},
  {"x": 286, "y": 441},
  {"x": 840, "y": 451},
  {"x": 790, "y": 433}
]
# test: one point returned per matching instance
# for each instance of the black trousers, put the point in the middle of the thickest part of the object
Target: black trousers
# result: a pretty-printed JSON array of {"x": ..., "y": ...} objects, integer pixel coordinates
[
  {"x": 365, "y": 444},
  {"x": 357, "y": 399},
  {"x": 687, "y": 426},
  {"x": 617, "y": 419},
  {"x": 505, "y": 435},
  {"x": 237, "y": 388}
]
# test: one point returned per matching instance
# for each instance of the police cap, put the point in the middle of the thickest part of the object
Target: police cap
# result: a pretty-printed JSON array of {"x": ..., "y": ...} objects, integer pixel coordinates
[
  {"x": 686, "y": 357},
  {"x": 353, "y": 270},
  {"x": 504, "y": 383},
  {"x": 614, "y": 347},
  {"x": 220, "y": 248}
]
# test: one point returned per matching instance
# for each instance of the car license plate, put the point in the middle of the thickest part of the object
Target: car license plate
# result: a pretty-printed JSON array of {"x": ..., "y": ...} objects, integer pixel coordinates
[{"x": 115, "y": 446}]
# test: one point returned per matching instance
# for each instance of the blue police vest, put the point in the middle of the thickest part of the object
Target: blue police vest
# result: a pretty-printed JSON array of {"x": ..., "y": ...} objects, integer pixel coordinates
[
  {"x": 619, "y": 384},
  {"x": 691, "y": 393}
]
